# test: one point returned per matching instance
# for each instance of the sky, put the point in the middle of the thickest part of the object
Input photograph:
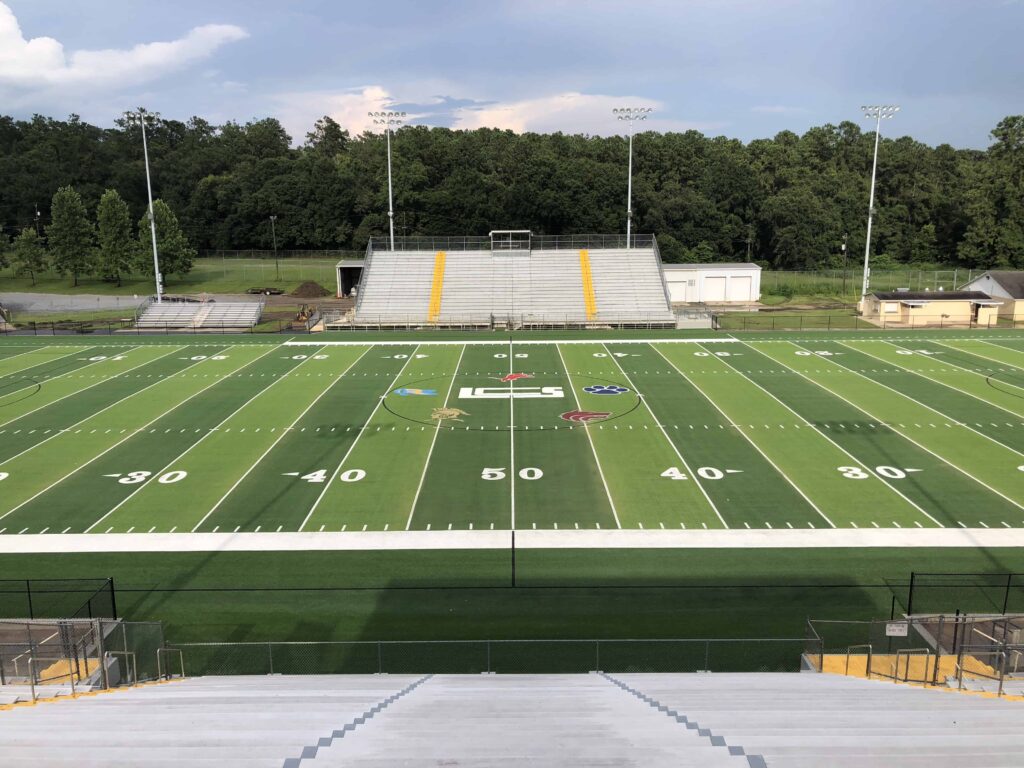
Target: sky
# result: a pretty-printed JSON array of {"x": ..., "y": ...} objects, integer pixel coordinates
[{"x": 744, "y": 69}]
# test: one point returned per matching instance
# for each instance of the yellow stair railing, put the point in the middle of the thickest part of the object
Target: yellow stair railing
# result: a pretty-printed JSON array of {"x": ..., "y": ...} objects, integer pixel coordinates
[
  {"x": 434, "y": 311},
  {"x": 589, "y": 299}
]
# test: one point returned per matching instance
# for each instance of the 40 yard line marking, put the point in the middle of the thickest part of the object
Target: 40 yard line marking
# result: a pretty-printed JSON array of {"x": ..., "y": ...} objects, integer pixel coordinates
[
  {"x": 355, "y": 442},
  {"x": 665, "y": 435},
  {"x": 590, "y": 439},
  {"x": 101, "y": 381},
  {"x": 209, "y": 432},
  {"x": 280, "y": 437},
  {"x": 837, "y": 445},
  {"x": 433, "y": 441},
  {"x": 134, "y": 432},
  {"x": 749, "y": 440}
]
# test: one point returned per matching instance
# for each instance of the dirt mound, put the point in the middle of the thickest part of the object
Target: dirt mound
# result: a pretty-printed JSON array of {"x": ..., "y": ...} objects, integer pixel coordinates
[{"x": 310, "y": 290}]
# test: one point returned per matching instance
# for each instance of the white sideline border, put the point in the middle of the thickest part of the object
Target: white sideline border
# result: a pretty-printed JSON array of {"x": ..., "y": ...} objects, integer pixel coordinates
[
  {"x": 503, "y": 342},
  {"x": 295, "y": 541}
]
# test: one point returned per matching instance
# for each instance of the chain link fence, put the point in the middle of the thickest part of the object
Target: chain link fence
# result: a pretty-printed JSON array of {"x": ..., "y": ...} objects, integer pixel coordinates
[
  {"x": 58, "y": 598},
  {"x": 491, "y": 656}
]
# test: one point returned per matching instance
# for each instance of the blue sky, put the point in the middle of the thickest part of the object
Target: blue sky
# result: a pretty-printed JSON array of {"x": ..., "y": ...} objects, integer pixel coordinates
[{"x": 739, "y": 68}]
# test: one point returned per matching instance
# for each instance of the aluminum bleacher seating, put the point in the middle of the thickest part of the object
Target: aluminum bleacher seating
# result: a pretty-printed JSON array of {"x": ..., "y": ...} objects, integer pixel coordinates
[{"x": 206, "y": 315}]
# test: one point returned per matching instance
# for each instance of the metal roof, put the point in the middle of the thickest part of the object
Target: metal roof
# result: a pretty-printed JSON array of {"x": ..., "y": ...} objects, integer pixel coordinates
[
  {"x": 1011, "y": 281},
  {"x": 931, "y": 296},
  {"x": 716, "y": 265}
]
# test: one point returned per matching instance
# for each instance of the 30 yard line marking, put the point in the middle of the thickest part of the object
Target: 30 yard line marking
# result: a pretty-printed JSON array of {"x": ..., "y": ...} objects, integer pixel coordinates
[
  {"x": 355, "y": 442},
  {"x": 756, "y": 447},
  {"x": 906, "y": 437},
  {"x": 209, "y": 432},
  {"x": 590, "y": 439},
  {"x": 133, "y": 432},
  {"x": 284, "y": 432},
  {"x": 837, "y": 445},
  {"x": 665, "y": 435},
  {"x": 433, "y": 441},
  {"x": 96, "y": 384}
]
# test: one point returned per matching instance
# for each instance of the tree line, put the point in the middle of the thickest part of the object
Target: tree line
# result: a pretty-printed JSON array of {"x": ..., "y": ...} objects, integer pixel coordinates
[{"x": 787, "y": 202}]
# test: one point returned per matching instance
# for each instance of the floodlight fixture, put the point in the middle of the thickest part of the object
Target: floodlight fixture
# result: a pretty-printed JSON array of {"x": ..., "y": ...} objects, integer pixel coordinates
[
  {"x": 629, "y": 115},
  {"x": 878, "y": 112}
]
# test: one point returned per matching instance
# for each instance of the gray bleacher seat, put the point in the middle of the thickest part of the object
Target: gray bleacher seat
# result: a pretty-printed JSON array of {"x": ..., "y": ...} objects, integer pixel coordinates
[{"x": 210, "y": 315}]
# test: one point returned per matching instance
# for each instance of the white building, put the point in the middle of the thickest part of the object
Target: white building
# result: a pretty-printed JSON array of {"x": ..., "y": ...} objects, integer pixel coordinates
[{"x": 734, "y": 283}]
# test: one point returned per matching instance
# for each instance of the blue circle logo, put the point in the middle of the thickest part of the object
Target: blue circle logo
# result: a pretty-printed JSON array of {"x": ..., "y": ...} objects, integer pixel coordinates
[{"x": 605, "y": 389}]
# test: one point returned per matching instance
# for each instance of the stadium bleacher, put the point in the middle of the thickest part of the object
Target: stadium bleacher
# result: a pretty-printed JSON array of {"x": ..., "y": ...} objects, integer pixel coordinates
[
  {"x": 209, "y": 315},
  {"x": 781, "y": 720},
  {"x": 543, "y": 281}
]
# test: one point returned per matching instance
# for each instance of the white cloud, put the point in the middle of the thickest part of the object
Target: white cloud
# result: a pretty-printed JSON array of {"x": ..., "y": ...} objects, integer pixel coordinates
[
  {"x": 778, "y": 109},
  {"x": 348, "y": 108},
  {"x": 42, "y": 61}
]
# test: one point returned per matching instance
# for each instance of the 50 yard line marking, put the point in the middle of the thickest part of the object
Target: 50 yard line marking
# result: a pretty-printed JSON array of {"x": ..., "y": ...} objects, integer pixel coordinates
[
  {"x": 337, "y": 470},
  {"x": 280, "y": 437},
  {"x": 512, "y": 435},
  {"x": 209, "y": 432},
  {"x": 433, "y": 441},
  {"x": 136, "y": 431},
  {"x": 665, "y": 435},
  {"x": 590, "y": 439},
  {"x": 749, "y": 440}
]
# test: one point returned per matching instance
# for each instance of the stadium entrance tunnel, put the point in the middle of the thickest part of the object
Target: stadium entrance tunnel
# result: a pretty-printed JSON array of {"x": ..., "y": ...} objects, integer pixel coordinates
[{"x": 539, "y": 402}]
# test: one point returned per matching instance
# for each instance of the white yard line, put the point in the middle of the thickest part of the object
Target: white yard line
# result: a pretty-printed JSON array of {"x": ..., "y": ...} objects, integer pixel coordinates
[
  {"x": 355, "y": 442},
  {"x": 59, "y": 432},
  {"x": 918, "y": 402},
  {"x": 837, "y": 445},
  {"x": 74, "y": 350},
  {"x": 668, "y": 440},
  {"x": 627, "y": 538},
  {"x": 96, "y": 384},
  {"x": 590, "y": 439},
  {"x": 280, "y": 437},
  {"x": 180, "y": 456},
  {"x": 906, "y": 437},
  {"x": 923, "y": 375},
  {"x": 133, "y": 432},
  {"x": 512, "y": 435},
  {"x": 433, "y": 441},
  {"x": 748, "y": 439},
  {"x": 1020, "y": 369}
]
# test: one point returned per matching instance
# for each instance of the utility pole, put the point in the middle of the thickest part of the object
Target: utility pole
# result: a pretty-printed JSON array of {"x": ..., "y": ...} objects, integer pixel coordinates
[
  {"x": 845, "y": 236},
  {"x": 628, "y": 115},
  {"x": 38, "y": 216},
  {"x": 878, "y": 112},
  {"x": 273, "y": 234}
]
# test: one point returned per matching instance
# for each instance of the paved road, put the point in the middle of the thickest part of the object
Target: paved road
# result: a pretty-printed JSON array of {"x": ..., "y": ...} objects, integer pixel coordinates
[{"x": 56, "y": 302}]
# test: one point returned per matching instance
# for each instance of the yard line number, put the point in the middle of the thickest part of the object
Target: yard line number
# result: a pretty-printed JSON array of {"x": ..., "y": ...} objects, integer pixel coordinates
[
  {"x": 142, "y": 475},
  {"x": 705, "y": 473},
  {"x": 890, "y": 473},
  {"x": 320, "y": 476},
  {"x": 498, "y": 473}
]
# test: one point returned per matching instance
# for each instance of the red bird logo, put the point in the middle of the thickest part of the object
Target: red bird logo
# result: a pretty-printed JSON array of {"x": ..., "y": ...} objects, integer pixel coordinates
[
  {"x": 516, "y": 377},
  {"x": 584, "y": 416}
]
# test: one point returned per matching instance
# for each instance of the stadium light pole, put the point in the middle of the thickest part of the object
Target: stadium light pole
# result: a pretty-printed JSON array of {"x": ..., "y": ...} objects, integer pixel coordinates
[
  {"x": 628, "y": 115},
  {"x": 273, "y": 235},
  {"x": 389, "y": 120},
  {"x": 879, "y": 112},
  {"x": 149, "y": 192}
]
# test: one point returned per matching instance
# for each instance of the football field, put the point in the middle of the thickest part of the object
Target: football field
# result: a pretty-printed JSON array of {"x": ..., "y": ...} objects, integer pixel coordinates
[{"x": 249, "y": 435}]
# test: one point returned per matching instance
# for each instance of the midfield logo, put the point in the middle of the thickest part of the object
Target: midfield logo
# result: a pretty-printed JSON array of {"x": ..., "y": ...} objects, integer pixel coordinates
[{"x": 500, "y": 393}]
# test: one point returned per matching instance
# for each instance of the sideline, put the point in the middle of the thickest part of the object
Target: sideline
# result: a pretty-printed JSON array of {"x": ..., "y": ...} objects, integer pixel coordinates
[{"x": 294, "y": 541}]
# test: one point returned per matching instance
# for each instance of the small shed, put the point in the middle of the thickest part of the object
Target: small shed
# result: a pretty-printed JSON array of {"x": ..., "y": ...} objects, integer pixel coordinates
[
  {"x": 727, "y": 283},
  {"x": 1007, "y": 285},
  {"x": 350, "y": 272},
  {"x": 919, "y": 308}
]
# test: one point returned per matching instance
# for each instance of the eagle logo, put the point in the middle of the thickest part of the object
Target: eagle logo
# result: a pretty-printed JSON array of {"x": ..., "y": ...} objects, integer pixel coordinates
[{"x": 453, "y": 414}]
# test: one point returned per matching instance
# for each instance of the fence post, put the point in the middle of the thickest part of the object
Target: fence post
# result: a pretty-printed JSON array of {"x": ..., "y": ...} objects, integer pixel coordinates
[
  {"x": 380, "y": 663},
  {"x": 270, "y": 657},
  {"x": 707, "y": 655},
  {"x": 597, "y": 655},
  {"x": 910, "y": 596},
  {"x": 1006, "y": 595},
  {"x": 113, "y": 598},
  {"x": 938, "y": 650},
  {"x": 488, "y": 656}
]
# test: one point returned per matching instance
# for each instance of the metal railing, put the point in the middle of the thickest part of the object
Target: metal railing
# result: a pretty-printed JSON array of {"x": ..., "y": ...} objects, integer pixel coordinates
[
  {"x": 846, "y": 320},
  {"x": 536, "y": 243},
  {"x": 490, "y": 656},
  {"x": 503, "y": 321},
  {"x": 867, "y": 665}
]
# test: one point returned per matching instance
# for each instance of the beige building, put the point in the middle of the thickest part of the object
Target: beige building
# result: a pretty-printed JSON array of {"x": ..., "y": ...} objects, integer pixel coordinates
[
  {"x": 1004, "y": 285},
  {"x": 938, "y": 308}
]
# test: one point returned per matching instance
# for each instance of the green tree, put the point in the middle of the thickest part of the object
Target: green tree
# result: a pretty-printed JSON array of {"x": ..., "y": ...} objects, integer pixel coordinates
[
  {"x": 175, "y": 252},
  {"x": 117, "y": 250},
  {"x": 70, "y": 234},
  {"x": 28, "y": 254}
]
